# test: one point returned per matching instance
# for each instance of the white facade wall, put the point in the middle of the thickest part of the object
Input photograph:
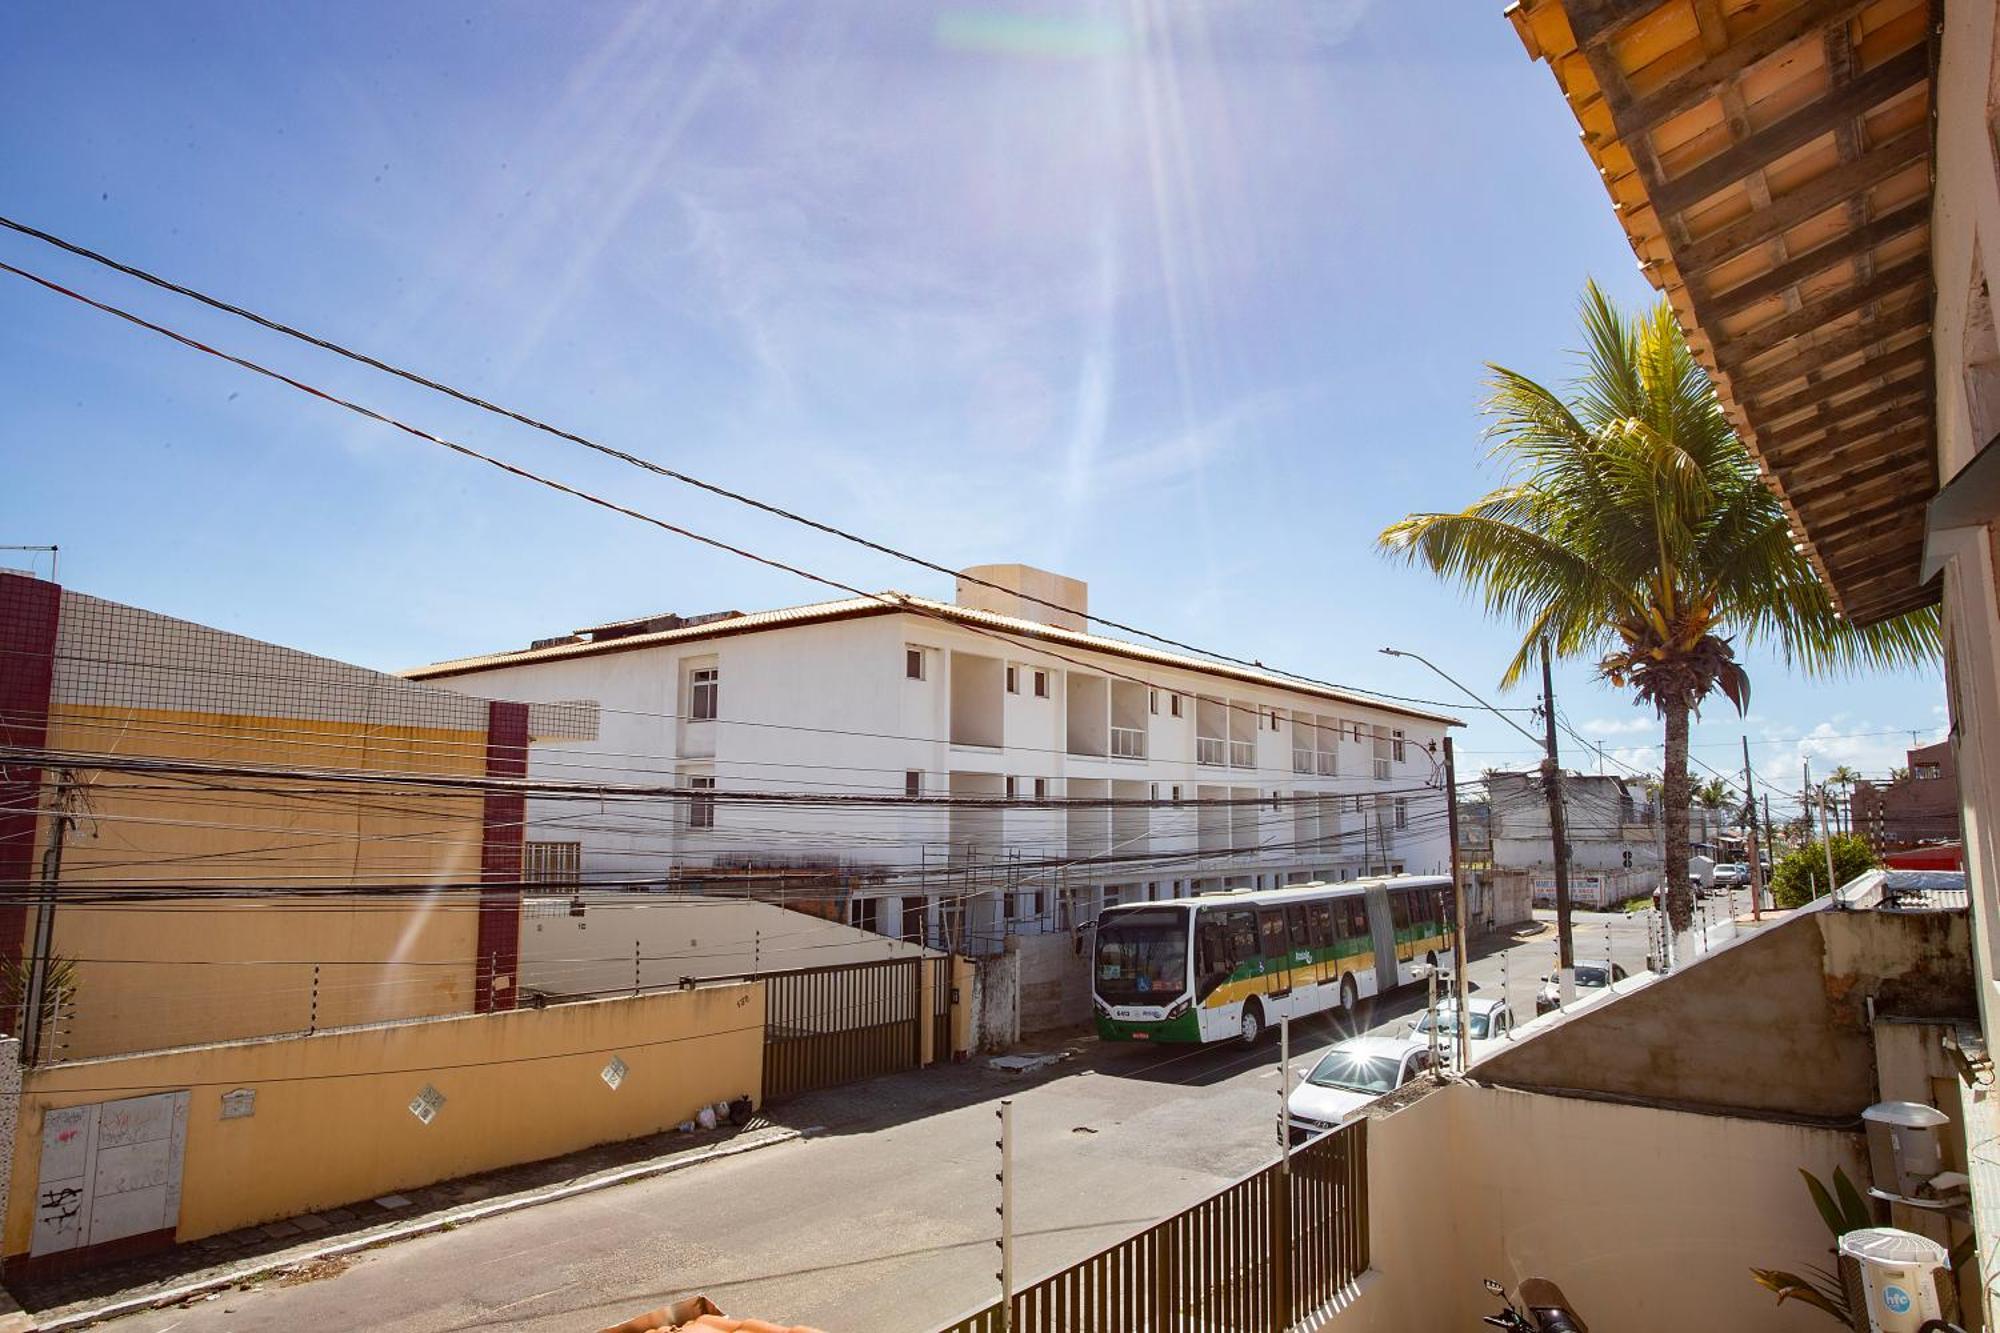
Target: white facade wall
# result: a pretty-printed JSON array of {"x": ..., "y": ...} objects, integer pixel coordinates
[{"x": 829, "y": 708}]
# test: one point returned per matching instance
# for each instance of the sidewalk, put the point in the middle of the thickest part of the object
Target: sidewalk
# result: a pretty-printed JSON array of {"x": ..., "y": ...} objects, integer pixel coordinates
[{"x": 309, "y": 1246}]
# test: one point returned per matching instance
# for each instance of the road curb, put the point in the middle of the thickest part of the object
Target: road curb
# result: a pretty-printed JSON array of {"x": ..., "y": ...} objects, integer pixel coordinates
[{"x": 443, "y": 1221}]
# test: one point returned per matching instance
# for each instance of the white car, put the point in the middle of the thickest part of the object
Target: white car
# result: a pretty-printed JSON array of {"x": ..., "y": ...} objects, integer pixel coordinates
[
  {"x": 1489, "y": 1026},
  {"x": 1350, "y": 1076}
]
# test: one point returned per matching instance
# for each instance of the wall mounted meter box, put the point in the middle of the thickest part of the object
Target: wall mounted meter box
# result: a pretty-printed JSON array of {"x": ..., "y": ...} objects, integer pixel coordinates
[
  {"x": 1900, "y": 1274},
  {"x": 1905, "y": 1150}
]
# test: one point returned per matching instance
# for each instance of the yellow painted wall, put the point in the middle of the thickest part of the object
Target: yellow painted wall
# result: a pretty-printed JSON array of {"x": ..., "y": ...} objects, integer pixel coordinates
[
  {"x": 208, "y": 967},
  {"x": 332, "y": 1124}
]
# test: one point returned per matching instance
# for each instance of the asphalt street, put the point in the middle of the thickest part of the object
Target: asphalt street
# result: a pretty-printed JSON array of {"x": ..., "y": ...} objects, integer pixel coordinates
[{"x": 883, "y": 1220}]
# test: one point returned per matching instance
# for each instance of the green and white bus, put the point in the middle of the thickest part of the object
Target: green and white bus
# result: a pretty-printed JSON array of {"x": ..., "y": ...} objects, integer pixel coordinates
[{"x": 1227, "y": 966}]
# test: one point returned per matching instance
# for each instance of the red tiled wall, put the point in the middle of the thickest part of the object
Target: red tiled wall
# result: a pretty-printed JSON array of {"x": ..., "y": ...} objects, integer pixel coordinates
[
  {"x": 500, "y": 860},
  {"x": 29, "y": 609}
]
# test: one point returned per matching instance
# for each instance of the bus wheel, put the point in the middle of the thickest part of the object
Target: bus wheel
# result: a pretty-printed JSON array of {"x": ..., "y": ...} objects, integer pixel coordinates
[
  {"x": 1350, "y": 996},
  {"x": 1253, "y": 1023}
]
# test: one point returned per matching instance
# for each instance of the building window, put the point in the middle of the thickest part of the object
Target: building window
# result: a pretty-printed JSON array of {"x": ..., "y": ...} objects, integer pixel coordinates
[
  {"x": 1396, "y": 745},
  {"x": 1174, "y": 705},
  {"x": 701, "y": 806},
  {"x": 915, "y": 910},
  {"x": 1041, "y": 789},
  {"x": 1111, "y": 895},
  {"x": 1153, "y": 702},
  {"x": 913, "y": 782},
  {"x": 552, "y": 863},
  {"x": 1013, "y": 680},
  {"x": 704, "y": 683},
  {"x": 862, "y": 913},
  {"x": 1041, "y": 684},
  {"x": 1010, "y": 906},
  {"x": 1013, "y": 786},
  {"x": 1041, "y": 903},
  {"x": 1402, "y": 813},
  {"x": 913, "y": 663},
  {"x": 1177, "y": 791}
]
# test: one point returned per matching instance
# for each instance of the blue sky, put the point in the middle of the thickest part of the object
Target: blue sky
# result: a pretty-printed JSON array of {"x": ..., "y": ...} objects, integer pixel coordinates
[{"x": 1185, "y": 299}]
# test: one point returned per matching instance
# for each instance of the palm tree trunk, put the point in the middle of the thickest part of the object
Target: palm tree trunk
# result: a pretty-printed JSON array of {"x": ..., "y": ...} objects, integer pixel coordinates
[{"x": 1674, "y": 793}]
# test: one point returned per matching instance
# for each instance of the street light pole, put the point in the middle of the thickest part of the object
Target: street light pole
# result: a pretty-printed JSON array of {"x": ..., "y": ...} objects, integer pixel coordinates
[{"x": 1552, "y": 778}]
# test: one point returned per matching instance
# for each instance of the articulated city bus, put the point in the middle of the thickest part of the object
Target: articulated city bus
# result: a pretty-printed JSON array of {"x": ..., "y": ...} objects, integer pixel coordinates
[{"x": 1227, "y": 966}]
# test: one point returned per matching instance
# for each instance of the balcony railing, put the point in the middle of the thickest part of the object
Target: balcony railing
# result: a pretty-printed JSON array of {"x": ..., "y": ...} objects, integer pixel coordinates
[
  {"x": 1242, "y": 754},
  {"x": 1210, "y": 750},
  {"x": 1302, "y": 761},
  {"x": 1128, "y": 743}
]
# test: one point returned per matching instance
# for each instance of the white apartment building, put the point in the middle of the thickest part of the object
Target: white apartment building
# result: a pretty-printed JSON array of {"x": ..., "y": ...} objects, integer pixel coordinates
[{"x": 952, "y": 772}]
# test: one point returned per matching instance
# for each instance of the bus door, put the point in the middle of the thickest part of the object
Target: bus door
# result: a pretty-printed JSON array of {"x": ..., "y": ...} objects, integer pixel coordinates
[
  {"x": 1357, "y": 944},
  {"x": 1277, "y": 952},
  {"x": 1320, "y": 936},
  {"x": 1304, "y": 961},
  {"x": 1383, "y": 927}
]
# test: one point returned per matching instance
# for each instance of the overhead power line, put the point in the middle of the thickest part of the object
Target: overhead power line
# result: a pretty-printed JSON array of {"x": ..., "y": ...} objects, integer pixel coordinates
[{"x": 621, "y": 455}]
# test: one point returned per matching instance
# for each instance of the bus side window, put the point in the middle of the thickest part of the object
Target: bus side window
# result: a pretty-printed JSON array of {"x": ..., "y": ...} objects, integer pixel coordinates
[
  {"x": 1275, "y": 944},
  {"x": 1241, "y": 930},
  {"x": 1321, "y": 917},
  {"x": 1399, "y": 910},
  {"x": 1295, "y": 917},
  {"x": 1356, "y": 910}
]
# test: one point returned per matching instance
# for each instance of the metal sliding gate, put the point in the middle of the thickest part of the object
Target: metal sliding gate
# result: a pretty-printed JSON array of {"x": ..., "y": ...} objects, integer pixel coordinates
[{"x": 829, "y": 1025}]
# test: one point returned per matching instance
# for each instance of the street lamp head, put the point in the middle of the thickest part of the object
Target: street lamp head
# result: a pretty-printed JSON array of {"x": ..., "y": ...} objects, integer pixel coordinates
[{"x": 1391, "y": 652}]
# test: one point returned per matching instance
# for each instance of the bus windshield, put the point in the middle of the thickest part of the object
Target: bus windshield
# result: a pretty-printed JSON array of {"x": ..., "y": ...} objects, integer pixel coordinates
[{"x": 1142, "y": 957}]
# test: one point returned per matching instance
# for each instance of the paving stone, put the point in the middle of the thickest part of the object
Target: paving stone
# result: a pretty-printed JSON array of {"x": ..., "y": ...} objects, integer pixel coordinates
[
  {"x": 393, "y": 1201},
  {"x": 280, "y": 1230},
  {"x": 311, "y": 1222},
  {"x": 340, "y": 1216}
]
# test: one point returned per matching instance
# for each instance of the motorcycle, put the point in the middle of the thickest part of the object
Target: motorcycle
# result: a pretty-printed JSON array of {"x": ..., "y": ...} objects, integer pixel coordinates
[{"x": 1543, "y": 1309}]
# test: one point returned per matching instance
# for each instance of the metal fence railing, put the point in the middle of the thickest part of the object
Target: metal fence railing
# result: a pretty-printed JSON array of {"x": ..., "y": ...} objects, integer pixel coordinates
[{"x": 1263, "y": 1256}]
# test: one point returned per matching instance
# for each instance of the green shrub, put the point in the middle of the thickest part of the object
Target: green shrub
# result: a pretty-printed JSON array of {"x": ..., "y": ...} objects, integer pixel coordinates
[{"x": 1801, "y": 876}]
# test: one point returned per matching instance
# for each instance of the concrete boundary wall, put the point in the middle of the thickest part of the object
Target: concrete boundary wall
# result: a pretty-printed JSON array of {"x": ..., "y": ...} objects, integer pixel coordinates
[
  {"x": 1650, "y": 1220},
  {"x": 282, "y": 1126}
]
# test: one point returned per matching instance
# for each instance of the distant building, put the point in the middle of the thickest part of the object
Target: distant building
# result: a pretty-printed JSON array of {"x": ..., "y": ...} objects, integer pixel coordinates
[
  {"x": 1082, "y": 771},
  {"x": 1918, "y": 808}
]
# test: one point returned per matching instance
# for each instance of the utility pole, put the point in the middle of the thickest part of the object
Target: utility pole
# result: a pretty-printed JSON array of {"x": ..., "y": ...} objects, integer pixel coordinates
[
  {"x": 45, "y": 920},
  {"x": 1558, "y": 832},
  {"x": 1826, "y": 841},
  {"x": 1805, "y": 807},
  {"x": 1459, "y": 981},
  {"x": 1750, "y": 820}
]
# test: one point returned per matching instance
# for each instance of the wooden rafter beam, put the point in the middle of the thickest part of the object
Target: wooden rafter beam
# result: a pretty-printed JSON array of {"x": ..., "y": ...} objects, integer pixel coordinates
[
  {"x": 1897, "y": 320},
  {"x": 1845, "y": 247},
  {"x": 1746, "y": 346},
  {"x": 1810, "y": 467},
  {"x": 1853, "y": 422},
  {"x": 1849, "y": 438},
  {"x": 1892, "y": 77},
  {"x": 1597, "y": 21},
  {"x": 1827, "y": 190},
  {"x": 1888, "y": 366},
  {"x": 1693, "y": 87},
  {"x": 1897, "y": 470}
]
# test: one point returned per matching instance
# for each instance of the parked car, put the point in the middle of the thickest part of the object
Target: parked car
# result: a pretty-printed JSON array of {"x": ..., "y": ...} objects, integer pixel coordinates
[
  {"x": 1350, "y": 1076},
  {"x": 1732, "y": 875},
  {"x": 1489, "y": 1024},
  {"x": 1591, "y": 974}
]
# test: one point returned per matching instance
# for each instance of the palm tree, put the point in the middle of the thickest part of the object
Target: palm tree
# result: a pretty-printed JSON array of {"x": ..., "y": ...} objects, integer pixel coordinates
[
  {"x": 1633, "y": 528},
  {"x": 1844, "y": 778}
]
